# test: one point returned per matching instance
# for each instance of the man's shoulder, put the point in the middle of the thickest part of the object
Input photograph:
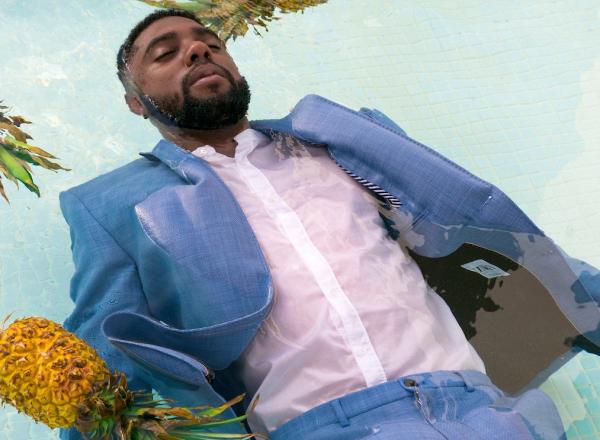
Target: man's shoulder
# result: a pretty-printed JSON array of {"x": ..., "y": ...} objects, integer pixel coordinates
[
  {"x": 310, "y": 113},
  {"x": 111, "y": 181},
  {"x": 123, "y": 186}
]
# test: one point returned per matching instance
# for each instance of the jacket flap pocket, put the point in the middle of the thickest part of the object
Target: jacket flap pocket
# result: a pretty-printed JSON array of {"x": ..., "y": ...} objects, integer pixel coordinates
[
  {"x": 217, "y": 346},
  {"x": 170, "y": 363}
]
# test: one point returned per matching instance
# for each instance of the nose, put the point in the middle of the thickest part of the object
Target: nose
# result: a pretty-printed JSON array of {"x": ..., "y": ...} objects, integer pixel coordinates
[{"x": 198, "y": 52}]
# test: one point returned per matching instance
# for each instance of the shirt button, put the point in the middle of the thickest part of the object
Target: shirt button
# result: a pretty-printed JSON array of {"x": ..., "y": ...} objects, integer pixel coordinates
[
  {"x": 410, "y": 383},
  {"x": 203, "y": 151}
]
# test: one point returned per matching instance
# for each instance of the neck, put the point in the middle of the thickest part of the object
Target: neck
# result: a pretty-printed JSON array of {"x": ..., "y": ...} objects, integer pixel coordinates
[{"x": 221, "y": 139}]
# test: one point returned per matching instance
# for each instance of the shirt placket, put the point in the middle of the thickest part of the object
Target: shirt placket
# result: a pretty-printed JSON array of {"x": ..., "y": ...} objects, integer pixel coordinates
[{"x": 346, "y": 318}]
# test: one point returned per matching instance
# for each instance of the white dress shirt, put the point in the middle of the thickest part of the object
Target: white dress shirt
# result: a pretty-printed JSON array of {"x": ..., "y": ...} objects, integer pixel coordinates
[{"x": 351, "y": 308}]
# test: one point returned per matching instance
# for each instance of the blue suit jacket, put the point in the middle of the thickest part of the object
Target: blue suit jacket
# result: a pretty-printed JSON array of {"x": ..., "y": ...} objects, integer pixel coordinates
[{"x": 171, "y": 285}]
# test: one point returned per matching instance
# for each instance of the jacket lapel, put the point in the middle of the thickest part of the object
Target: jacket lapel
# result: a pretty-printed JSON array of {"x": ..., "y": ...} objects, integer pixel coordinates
[{"x": 217, "y": 264}]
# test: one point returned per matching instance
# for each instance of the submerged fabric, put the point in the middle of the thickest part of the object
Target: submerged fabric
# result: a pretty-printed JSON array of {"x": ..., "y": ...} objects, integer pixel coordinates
[
  {"x": 150, "y": 295},
  {"x": 443, "y": 405},
  {"x": 351, "y": 308}
]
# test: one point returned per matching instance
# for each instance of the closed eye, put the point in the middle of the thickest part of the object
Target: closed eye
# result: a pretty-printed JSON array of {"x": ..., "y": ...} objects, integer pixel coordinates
[{"x": 164, "y": 55}]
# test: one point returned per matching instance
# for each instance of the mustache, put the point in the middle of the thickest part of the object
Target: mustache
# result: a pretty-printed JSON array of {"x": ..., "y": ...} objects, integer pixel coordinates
[{"x": 219, "y": 70}]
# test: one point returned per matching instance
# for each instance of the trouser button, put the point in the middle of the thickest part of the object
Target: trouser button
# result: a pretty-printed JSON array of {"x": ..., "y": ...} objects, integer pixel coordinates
[{"x": 410, "y": 383}]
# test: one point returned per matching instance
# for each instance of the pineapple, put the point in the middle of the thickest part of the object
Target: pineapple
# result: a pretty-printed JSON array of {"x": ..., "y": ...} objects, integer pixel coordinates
[
  {"x": 232, "y": 18},
  {"x": 56, "y": 378}
]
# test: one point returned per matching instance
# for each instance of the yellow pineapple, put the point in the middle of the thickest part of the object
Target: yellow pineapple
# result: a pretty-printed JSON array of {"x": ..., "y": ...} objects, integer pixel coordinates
[{"x": 56, "y": 378}]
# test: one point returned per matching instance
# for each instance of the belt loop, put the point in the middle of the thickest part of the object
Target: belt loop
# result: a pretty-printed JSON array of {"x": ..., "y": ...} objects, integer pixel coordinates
[
  {"x": 468, "y": 384},
  {"x": 339, "y": 413}
]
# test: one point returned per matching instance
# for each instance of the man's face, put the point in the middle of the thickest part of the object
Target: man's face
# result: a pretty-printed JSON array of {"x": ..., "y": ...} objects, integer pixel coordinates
[{"x": 187, "y": 74}]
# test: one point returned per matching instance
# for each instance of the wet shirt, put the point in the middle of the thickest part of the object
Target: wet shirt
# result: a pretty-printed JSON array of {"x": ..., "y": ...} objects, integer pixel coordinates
[{"x": 351, "y": 308}]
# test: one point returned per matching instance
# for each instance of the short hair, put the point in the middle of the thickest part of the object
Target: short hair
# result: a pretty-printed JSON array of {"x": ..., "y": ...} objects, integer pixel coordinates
[{"x": 126, "y": 51}]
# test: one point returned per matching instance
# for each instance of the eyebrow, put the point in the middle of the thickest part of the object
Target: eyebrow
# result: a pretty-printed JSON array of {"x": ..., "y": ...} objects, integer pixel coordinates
[{"x": 198, "y": 31}]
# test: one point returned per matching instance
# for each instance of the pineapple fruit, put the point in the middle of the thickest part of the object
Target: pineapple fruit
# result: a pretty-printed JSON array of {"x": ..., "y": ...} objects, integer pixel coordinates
[{"x": 56, "y": 378}]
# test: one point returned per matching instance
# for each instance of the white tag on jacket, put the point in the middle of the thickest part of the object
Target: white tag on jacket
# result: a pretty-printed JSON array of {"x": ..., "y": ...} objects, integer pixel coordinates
[{"x": 485, "y": 269}]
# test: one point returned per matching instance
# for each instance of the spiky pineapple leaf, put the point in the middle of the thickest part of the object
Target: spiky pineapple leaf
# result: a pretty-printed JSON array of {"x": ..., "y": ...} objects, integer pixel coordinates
[
  {"x": 17, "y": 133},
  {"x": 2, "y": 193},
  {"x": 16, "y": 169},
  {"x": 18, "y": 120},
  {"x": 45, "y": 163},
  {"x": 23, "y": 163},
  {"x": 212, "y": 412},
  {"x": 37, "y": 160},
  {"x": 11, "y": 140},
  {"x": 210, "y": 436},
  {"x": 238, "y": 419}
]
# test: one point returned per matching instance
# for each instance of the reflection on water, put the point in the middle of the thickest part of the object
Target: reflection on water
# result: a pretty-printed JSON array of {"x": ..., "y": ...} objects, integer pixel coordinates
[
  {"x": 512, "y": 321},
  {"x": 508, "y": 91},
  {"x": 466, "y": 293}
]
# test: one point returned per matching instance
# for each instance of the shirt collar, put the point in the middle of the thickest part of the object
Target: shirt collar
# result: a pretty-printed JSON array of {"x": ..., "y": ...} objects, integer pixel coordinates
[{"x": 247, "y": 140}]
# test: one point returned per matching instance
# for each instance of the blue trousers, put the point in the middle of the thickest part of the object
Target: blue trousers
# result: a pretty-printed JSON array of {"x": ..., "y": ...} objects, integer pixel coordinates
[{"x": 461, "y": 405}]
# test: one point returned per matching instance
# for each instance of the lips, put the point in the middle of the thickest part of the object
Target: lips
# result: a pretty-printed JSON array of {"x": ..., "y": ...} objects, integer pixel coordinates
[{"x": 202, "y": 72}]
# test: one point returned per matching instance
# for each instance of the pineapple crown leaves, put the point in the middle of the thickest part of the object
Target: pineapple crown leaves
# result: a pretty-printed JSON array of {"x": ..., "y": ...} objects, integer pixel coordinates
[
  {"x": 231, "y": 18},
  {"x": 16, "y": 154},
  {"x": 107, "y": 402},
  {"x": 113, "y": 410}
]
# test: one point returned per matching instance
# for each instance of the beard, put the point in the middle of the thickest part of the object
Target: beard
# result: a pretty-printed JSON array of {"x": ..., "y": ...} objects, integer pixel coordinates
[{"x": 222, "y": 110}]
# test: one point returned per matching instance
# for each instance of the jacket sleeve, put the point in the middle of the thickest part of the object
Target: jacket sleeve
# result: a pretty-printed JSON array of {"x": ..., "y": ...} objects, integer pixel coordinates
[
  {"x": 106, "y": 287},
  {"x": 105, "y": 281}
]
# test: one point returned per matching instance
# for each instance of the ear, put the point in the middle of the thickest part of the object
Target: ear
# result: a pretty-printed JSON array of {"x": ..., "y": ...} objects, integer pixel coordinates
[{"x": 134, "y": 104}]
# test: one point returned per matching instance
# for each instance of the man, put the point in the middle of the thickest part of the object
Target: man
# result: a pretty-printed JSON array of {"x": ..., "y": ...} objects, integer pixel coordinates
[{"x": 272, "y": 258}]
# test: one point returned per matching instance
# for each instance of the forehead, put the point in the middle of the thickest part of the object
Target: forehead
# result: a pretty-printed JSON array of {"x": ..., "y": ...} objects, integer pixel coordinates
[
  {"x": 166, "y": 24},
  {"x": 179, "y": 25}
]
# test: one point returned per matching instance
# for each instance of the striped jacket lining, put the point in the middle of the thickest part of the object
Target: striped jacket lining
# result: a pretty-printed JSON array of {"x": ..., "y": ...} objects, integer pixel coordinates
[{"x": 376, "y": 189}]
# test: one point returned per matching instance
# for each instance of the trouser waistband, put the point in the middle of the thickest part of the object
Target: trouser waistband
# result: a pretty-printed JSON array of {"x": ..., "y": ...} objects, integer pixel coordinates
[{"x": 342, "y": 409}]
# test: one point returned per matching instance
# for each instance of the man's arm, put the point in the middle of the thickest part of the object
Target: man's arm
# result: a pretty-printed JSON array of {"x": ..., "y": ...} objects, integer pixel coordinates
[
  {"x": 105, "y": 281},
  {"x": 110, "y": 303}
]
